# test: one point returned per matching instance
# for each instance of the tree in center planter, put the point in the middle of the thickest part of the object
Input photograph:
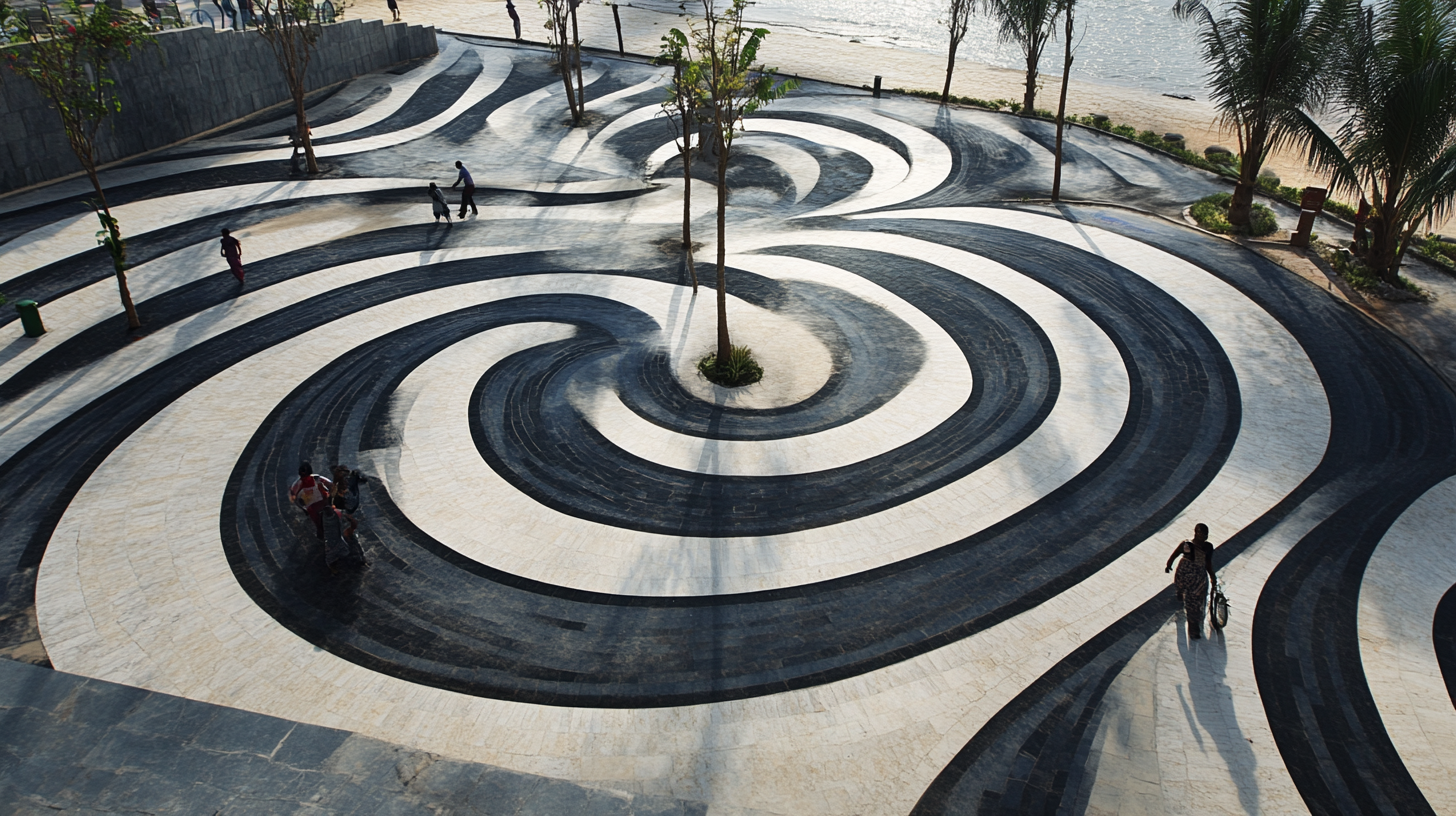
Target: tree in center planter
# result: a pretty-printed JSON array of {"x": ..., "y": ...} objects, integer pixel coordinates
[{"x": 728, "y": 87}]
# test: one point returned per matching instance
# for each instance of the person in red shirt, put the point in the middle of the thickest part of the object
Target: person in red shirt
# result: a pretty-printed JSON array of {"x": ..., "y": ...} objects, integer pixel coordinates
[
  {"x": 232, "y": 249},
  {"x": 311, "y": 492}
]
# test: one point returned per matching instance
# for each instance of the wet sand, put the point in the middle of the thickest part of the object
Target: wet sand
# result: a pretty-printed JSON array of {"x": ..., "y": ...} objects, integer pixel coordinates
[{"x": 838, "y": 60}]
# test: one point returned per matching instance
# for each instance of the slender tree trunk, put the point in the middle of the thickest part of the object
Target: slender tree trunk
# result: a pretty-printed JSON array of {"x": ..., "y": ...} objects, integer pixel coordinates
[
  {"x": 564, "y": 63},
  {"x": 687, "y": 239},
  {"x": 949, "y": 71},
  {"x": 725, "y": 348},
  {"x": 133, "y": 320},
  {"x": 576, "y": 57},
  {"x": 300, "y": 115},
  {"x": 1062, "y": 109}
]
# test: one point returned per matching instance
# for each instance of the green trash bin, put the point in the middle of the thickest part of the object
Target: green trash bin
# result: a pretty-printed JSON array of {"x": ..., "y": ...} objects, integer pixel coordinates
[{"x": 30, "y": 318}]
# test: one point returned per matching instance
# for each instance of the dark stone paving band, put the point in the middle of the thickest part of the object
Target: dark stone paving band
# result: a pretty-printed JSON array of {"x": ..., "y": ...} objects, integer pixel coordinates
[
  {"x": 1443, "y": 633},
  {"x": 1391, "y": 440},
  {"x": 528, "y": 431},
  {"x": 421, "y": 614}
]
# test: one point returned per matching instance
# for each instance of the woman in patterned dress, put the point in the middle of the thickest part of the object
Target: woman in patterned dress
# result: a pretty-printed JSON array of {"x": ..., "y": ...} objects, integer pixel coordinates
[{"x": 1195, "y": 572}]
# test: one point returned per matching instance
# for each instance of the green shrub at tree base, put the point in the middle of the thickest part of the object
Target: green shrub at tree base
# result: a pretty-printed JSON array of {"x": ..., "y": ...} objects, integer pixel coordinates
[
  {"x": 1211, "y": 213},
  {"x": 1435, "y": 249},
  {"x": 1362, "y": 278},
  {"x": 740, "y": 370}
]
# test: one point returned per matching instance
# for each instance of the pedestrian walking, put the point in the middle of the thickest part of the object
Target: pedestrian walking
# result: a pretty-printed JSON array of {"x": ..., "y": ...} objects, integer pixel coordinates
[
  {"x": 311, "y": 492},
  {"x": 467, "y": 197},
  {"x": 340, "y": 545},
  {"x": 232, "y": 249},
  {"x": 1195, "y": 572},
  {"x": 346, "y": 501},
  {"x": 515, "y": 18},
  {"x": 345, "y": 491},
  {"x": 393, "y": 8},
  {"x": 438, "y": 202}
]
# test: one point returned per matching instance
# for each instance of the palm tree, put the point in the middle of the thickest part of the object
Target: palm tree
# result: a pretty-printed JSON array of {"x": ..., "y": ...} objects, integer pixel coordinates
[
  {"x": 1265, "y": 61},
  {"x": 1030, "y": 24},
  {"x": 1396, "y": 80}
]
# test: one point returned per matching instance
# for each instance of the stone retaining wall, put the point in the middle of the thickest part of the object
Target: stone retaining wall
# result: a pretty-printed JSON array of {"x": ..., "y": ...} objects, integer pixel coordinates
[{"x": 196, "y": 80}]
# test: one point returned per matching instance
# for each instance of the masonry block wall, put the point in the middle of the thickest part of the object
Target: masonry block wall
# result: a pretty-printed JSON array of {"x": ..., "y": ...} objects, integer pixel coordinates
[{"x": 196, "y": 80}]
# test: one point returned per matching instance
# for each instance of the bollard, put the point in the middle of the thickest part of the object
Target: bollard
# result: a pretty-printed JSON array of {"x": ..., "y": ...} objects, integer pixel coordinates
[
  {"x": 30, "y": 318},
  {"x": 1310, "y": 205},
  {"x": 877, "y": 87},
  {"x": 617, "y": 18}
]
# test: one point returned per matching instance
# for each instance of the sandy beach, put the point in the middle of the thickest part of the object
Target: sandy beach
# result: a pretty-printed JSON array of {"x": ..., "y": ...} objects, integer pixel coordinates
[{"x": 837, "y": 60}]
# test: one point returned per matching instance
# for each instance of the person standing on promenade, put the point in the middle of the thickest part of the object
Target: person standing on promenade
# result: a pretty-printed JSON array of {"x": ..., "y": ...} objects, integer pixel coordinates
[
  {"x": 232, "y": 249},
  {"x": 311, "y": 492},
  {"x": 393, "y": 8},
  {"x": 439, "y": 204},
  {"x": 515, "y": 18},
  {"x": 467, "y": 198},
  {"x": 1195, "y": 572}
]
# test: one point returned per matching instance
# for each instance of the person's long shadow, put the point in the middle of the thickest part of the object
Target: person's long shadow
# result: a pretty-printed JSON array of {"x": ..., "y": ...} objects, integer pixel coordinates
[{"x": 1213, "y": 705}]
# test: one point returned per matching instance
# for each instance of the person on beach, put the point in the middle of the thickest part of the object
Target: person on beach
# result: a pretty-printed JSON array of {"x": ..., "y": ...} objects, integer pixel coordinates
[
  {"x": 515, "y": 18},
  {"x": 311, "y": 492},
  {"x": 232, "y": 249},
  {"x": 393, "y": 8},
  {"x": 440, "y": 205},
  {"x": 467, "y": 197},
  {"x": 1195, "y": 572}
]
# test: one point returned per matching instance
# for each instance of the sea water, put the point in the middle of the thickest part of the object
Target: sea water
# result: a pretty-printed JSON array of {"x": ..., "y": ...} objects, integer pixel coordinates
[{"x": 1134, "y": 43}]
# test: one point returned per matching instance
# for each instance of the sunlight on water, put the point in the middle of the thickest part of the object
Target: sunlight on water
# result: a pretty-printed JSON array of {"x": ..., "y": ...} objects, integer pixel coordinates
[{"x": 1137, "y": 43}]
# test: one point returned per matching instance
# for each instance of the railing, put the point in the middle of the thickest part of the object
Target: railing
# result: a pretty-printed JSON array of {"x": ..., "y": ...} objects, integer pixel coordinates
[{"x": 229, "y": 14}]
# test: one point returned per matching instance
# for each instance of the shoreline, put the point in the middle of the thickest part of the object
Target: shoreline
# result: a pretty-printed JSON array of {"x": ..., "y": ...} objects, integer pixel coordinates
[{"x": 834, "y": 59}]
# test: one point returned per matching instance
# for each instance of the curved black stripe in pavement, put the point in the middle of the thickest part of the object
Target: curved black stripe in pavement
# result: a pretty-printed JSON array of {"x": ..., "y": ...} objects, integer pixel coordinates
[
  {"x": 433, "y": 97},
  {"x": 1443, "y": 633},
  {"x": 1393, "y": 436},
  {"x": 46, "y": 473},
  {"x": 58, "y": 279},
  {"x": 581, "y": 474},
  {"x": 1028, "y": 756},
  {"x": 863, "y": 128},
  {"x": 863, "y": 377},
  {"x": 555, "y": 645}
]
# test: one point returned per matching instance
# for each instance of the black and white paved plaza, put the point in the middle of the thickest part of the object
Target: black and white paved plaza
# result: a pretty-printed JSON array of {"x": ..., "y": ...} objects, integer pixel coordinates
[{"x": 917, "y": 569}]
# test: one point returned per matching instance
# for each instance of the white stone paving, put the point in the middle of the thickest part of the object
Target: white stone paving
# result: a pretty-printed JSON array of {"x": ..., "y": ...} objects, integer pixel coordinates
[
  {"x": 495, "y": 67},
  {"x": 1409, "y": 572},
  {"x": 135, "y": 590}
]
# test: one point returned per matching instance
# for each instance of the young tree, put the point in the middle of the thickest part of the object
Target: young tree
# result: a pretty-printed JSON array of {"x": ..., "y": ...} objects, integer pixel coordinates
[
  {"x": 958, "y": 18},
  {"x": 292, "y": 32},
  {"x": 731, "y": 88},
  {"x": 70, "y": 63},
  {"x": 1396, "y": 80},
  {"x": 1265, "y": 62},
  {"x": 1069, "y": 8},
  {"x": 1029, "y": 24},
  {"x": 681, "y": 107},
  {"x": 561, "y": 16}
]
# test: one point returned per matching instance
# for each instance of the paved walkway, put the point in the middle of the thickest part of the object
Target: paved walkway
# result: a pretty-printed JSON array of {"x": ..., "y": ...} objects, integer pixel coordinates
[{"x": 917, "y": 569}]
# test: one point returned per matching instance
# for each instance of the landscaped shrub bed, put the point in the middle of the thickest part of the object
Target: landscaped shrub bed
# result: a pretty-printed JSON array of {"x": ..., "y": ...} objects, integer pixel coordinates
[{"x": 1211, "y": 213}]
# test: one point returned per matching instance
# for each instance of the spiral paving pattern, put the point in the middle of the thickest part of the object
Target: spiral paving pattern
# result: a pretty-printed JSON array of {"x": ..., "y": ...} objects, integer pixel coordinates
[{"x": 919, "y": 563}]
